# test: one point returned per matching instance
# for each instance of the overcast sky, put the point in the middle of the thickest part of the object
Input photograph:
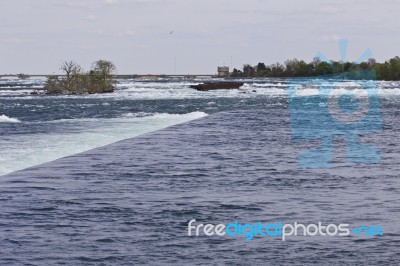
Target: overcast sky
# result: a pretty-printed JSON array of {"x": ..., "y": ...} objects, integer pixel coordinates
[{"x": 37, "y": 35}]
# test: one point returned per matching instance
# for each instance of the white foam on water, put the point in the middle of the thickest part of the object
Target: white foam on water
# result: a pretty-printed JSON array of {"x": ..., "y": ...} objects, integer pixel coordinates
[
  {"x": 139, "y": 90},
  {"x": 33, "y": 149},
  {"x": 388, "y": 92},
  {"x": 307, "y": 92},
  {"x": 6, "y": 119},
  {"x": 20, "y": 92}
]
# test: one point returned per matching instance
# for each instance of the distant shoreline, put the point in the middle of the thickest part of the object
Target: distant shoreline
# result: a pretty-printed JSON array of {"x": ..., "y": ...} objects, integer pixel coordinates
[
  {"x": 178, "y": 76},
  {"x": 122, "y": 75},
  {"x": 187, "y": 76}
]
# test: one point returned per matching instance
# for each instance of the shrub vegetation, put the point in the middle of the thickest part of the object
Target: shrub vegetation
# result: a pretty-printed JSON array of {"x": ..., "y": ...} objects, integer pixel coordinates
[{"x": 100, "y": 79}]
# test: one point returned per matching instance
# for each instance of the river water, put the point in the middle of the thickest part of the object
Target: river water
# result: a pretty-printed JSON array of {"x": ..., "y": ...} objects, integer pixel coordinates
[{"x": 116, "y": 178}]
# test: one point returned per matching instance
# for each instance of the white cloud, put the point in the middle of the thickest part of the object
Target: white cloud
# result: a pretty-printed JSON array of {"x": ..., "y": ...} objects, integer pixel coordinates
[
  {"x": 87, "y": 47},
  {"x": 111, "y": 2},
  {"x": 329, "y": 10},
  {"x": 11, "y": 40},
  {"x": 97, "y": 31},
  {"x": 91, "y": 17},
  {"x": 74, "y": 4},
  {"x": 130, "y": 32},
  {"x": 116, "y": 2},
  {"x": 332, "y": 37}
]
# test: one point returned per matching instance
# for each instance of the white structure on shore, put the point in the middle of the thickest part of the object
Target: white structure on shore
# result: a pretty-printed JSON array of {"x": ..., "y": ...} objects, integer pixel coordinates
[{"x": 223, "y": 71}]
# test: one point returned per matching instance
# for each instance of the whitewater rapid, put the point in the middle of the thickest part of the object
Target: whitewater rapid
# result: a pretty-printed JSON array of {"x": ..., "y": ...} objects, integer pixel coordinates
[
  {"x": 38, "y": 129},
  {"x": 28, "y": 150}
]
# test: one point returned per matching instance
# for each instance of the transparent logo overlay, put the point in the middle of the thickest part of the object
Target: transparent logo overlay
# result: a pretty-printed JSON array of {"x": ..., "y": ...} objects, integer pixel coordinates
[
  {"x": 281, "y": 230},
  {"x": 333, "y": 105}
]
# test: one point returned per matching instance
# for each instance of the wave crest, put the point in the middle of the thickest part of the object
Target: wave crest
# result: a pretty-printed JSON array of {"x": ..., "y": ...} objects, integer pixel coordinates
[{"x": 6, "y": 119}]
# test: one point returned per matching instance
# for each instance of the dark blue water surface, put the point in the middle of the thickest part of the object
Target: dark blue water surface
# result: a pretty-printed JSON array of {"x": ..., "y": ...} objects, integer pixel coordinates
[{"x": 129, "y": 203}]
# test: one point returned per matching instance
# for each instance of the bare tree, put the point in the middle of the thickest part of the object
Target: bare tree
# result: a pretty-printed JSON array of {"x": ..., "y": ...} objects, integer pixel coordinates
[
  {"x": 73, "y": 77},
  {"x": 71, "y": 68}
]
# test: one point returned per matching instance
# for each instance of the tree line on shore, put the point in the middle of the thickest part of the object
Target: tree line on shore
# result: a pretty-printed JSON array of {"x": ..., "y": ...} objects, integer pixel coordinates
[
  {"x": 389, "y": 70},
  {"x": 100, "y": 79}
]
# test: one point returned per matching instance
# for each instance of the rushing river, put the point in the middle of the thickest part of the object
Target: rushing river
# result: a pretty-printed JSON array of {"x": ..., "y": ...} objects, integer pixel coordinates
[{"x": 115, "y": 178}]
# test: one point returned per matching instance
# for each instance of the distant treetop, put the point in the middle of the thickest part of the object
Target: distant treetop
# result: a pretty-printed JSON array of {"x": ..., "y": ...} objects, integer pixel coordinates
[{"x": 389, "y": 70}]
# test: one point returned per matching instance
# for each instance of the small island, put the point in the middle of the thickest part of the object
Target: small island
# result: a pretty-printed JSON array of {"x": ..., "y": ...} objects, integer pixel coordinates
[
  {"x": 23, "y": 76},
  {"x": 207, "y": 86},
  {"x": 100, "y": 79}
]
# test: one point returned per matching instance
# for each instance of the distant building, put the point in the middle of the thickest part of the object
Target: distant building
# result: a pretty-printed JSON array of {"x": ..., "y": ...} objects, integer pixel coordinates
[{"x": 223, "y": 71}]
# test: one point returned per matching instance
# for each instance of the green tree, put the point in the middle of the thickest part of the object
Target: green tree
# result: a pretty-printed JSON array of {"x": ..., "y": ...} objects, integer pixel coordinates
[
  {"x": 248, "y": 70},
  {"x": 394, "y": 68},
  {"x": 104, "y": 69},
  {"x": 382, "y": 71},
  {"x": 236, "y": 73},
  {"x": 261, "y": 67},
  {"x": 277, "y": 70},
  {"x": 323, "y": 68}
]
